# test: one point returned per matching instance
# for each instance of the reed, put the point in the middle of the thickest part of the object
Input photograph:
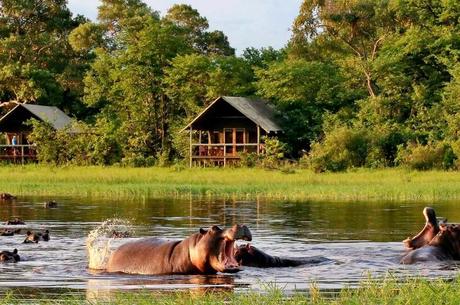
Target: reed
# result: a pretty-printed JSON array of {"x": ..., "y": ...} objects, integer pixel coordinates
[
  {"x": 241, "y": 183},
  {"x": 387, "y": 291}
]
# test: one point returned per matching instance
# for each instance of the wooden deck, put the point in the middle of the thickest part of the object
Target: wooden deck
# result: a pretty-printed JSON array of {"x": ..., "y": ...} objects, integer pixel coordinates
[
  {"x": 220, "y": 154},
  {"x": 18, "y": 153}
]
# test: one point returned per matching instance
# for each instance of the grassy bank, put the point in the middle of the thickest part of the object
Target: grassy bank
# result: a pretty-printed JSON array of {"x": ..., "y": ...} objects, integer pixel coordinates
[
  {"x": 127, "y": 183},
  {"x": 415, "y": 291}
]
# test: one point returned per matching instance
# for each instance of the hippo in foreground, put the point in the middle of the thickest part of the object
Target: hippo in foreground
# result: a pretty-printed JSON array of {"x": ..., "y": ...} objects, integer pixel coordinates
[
  {"x": 9, "y": 257},
  {"x": 436, "y": 242},
  {"x": 206, "y": 252},
  {"x": 429, "y": 231},
  {"x": 248, "y": 255}
]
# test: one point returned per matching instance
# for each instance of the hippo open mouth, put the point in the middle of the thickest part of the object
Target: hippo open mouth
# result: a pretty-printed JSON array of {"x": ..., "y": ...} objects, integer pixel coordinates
[{"x": 227, "y": 255}]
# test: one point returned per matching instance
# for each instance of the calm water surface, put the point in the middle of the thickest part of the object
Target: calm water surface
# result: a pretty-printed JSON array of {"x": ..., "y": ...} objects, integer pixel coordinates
[{"x": 358, "y": 239}]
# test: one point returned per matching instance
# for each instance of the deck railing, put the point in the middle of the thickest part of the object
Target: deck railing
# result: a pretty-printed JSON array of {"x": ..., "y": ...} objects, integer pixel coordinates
[
  {"x": 18, "y": 153},
  {"x": 221, "y": 153}
]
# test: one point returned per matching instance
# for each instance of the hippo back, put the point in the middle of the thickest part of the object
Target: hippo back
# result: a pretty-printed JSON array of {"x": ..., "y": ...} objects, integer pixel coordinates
[{"x": 152, "y": 256}]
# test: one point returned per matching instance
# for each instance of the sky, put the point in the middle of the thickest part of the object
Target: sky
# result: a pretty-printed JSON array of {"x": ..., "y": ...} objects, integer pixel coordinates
[{"x": 247, "y": 23}]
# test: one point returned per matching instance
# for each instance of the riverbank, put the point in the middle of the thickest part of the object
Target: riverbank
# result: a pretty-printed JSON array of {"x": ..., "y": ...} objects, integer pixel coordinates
[
  {"x": 240, "y": 183},
  {"x": 390, "y": 291}
]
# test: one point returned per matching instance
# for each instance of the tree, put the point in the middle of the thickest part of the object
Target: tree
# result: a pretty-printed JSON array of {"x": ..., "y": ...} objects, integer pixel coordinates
[
  {"x": 358, "y": 29},
  {"x": 194, "y": 28},
  {"x": 38, "y": 64},
  {"x": 302, "y": 92}
]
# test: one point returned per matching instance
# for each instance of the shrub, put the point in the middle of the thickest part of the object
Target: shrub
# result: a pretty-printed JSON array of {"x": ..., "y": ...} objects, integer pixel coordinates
[
  {"x": 273, "y": 152},
  {"x": 341, "y": 148},
  {"x": 79, "y": 144},
  {"x": 249, "y": 159},
  {"x": 424, "y": 157}
]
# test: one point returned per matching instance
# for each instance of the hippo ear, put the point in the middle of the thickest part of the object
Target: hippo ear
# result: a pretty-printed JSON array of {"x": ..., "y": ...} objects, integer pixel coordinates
[
  {"x": 203, "y": 231},
  {"x": 15, "y": 251},
  {"x": 28, "y": 233},
  {"x": 216, "y": 229}
]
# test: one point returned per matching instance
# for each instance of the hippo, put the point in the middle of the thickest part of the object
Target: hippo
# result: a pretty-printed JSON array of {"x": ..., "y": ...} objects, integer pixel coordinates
[
  {"x": 206, "y": 252},
  {"x": 430, "y": 230},
  {"x": 7, "y": 232},
  {"x": 15, "y": 222},
  {"x": 9, "y": 257},
  {"x": 248, "y": 255},
  {"x": 444, "y": 246},
  {"x": 6, "y": 196},
  {"x": 50, "y": 204},
  {"x": 32, "y": 237}
]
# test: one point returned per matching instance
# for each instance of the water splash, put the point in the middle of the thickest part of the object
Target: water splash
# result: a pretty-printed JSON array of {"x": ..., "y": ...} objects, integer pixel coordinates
[{"x": 99, "y": 240}]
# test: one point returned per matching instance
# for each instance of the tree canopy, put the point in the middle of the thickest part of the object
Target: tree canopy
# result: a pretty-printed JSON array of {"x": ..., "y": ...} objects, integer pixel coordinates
[{"x": 360, "y": 82}]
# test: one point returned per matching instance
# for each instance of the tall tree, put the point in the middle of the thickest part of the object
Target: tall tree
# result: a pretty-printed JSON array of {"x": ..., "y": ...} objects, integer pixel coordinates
[
  {"x": 37, "y": 63},
  {"x": 357, "y": 28},
  {"x": 126, "y": 79},
  {"x": 195, "y": 30}
]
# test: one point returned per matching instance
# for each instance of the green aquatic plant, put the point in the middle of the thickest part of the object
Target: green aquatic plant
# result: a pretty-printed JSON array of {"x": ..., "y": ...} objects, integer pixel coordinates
[
  {"x": 387, "y": 291},
  {"x": 242, "y": 183}
]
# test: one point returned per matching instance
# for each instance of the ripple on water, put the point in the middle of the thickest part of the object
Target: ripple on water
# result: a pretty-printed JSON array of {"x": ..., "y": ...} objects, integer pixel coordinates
[{"x": 354, "y": 249}]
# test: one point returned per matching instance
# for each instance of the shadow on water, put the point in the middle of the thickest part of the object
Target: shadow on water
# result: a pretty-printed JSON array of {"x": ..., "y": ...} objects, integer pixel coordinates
[{"x": 357, "y": 238}]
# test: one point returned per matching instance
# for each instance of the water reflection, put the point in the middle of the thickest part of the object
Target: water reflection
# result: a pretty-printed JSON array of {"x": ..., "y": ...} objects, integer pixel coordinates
[{"x": 357, "y": 238}]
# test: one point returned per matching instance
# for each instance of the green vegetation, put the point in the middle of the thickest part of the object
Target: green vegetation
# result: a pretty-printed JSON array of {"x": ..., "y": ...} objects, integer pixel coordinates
[
  {"x": 241, "y": 183},
  {"x": 361, "y": 83},
  {"x": 385, "y": 292}
]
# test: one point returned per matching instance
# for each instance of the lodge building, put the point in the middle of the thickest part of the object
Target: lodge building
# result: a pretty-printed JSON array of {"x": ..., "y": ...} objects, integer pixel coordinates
[{"x": 228, "y": 127}]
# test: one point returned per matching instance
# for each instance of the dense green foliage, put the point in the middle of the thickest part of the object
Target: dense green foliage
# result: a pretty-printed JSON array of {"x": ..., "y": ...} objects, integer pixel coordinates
[{"x": 370, "y": 83}]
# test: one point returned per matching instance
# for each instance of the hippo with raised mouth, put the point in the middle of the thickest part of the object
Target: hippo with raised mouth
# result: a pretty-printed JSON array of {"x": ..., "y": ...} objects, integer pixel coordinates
[
  {"x": 9, "y": 257},
  {"x": 436, "y": 241},
  {"x": 206, "y": 252},
  {"x": 430, "y": 230}
]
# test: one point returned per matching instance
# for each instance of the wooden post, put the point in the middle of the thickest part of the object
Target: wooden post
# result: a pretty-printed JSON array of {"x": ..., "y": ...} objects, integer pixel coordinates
[
  {"x": 225, "y": 150},
  {"x": 22, "y": 154},
  {"x": 234, "y": 142},
  {"x": 258, "y": 139},
  {"x": 244, "y": 140},
  {"x": 191, "y": 149}
]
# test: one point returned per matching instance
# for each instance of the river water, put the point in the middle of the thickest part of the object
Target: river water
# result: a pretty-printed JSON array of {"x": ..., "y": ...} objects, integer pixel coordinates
[{"x": 358, "y": 239}]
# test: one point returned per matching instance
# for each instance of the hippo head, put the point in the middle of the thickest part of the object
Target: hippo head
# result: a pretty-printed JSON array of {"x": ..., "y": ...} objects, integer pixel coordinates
[
  {"x": 429, "y": 231},
  {"x": 31, "y": 237},
  {"x": 448, "y": 239},
  {"x": 214, "y": 249},
  {"x": 9, "y": 257},
  {"x": 248, "y": 255}
]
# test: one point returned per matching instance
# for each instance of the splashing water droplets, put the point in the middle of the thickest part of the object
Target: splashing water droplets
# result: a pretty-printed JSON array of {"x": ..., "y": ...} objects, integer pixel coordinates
[{"x": 99, "y": 241}]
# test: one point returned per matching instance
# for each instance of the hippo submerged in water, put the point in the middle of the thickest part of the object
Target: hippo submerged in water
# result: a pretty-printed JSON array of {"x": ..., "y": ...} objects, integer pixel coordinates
[
  {"x": 248, "y": 255},
  {"x": 436, "y": 242},
  {"x": 35, "y": 237},
  {"x": 9, "y": 257},
  {"x": 206, "y": 252}
]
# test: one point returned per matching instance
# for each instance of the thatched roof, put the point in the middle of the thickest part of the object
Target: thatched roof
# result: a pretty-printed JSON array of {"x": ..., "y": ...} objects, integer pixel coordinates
[{"x": 257, "y": 110}]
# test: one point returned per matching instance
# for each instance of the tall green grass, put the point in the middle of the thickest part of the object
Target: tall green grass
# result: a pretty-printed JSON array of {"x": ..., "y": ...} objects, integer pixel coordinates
[
  {"x": 241, "y": 183},
  {"x": 380, "y": 292}
]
